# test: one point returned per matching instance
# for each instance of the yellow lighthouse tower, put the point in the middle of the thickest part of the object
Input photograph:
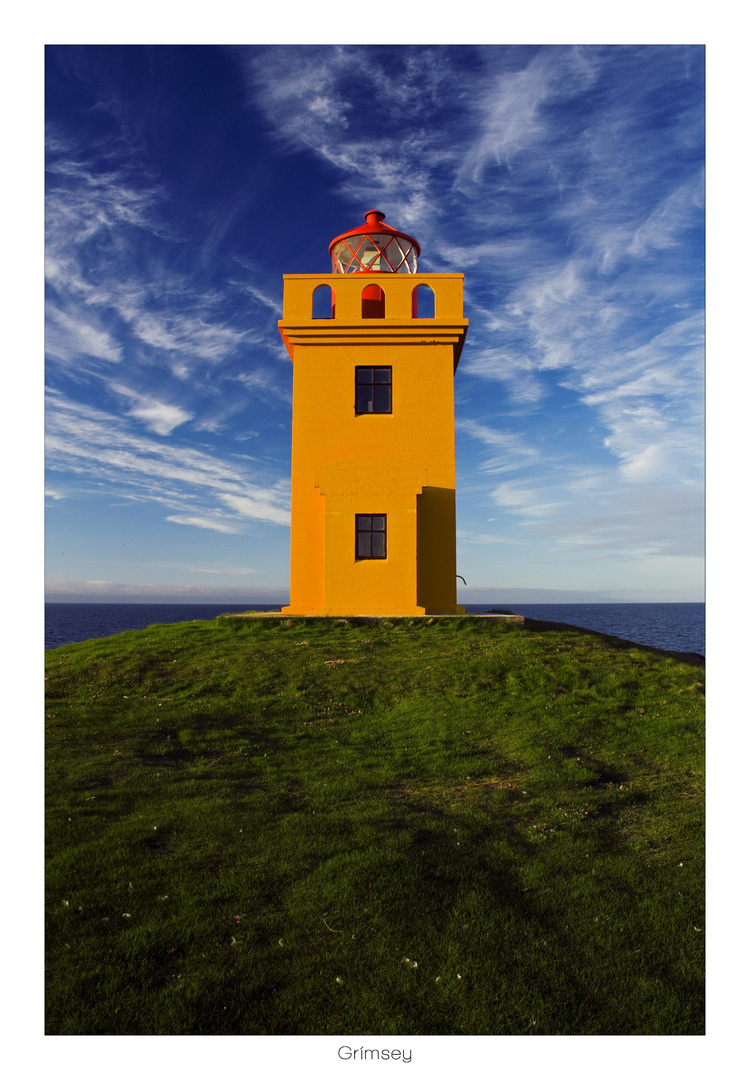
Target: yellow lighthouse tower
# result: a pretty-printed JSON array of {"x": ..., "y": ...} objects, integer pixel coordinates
[{"x": 375, "y": 345}]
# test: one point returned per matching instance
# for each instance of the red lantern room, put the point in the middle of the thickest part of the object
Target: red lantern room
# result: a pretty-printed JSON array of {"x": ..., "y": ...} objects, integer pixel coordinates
[{"x": 374, "y": 248}]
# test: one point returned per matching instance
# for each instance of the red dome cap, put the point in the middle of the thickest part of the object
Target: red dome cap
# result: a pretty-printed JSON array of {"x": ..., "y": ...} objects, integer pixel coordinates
[{"x": 374, "y": 248}]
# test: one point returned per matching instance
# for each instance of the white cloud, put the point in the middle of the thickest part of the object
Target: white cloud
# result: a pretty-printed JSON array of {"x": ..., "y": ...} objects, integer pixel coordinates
[
  {"x": 491, "y": 436},
  {"x": 90, "y": 443},
  {"x": 508, "y": 119},
  {"x": 647, "y": 464},
  {"x": 190, "y": 336},
  {"x": 262, "y": 382},
  {"x": 509, "y": 113},
  {"x": 253, "y": 507},
  {"x": 75, "y": 333},
  {"x": 519, "y": 372},
  {"x": 203, "y": 523},
  {"x": 272, "y": 303},
  {"x": 487, "y": 253},
  {"x": 81, "y": 203},
  {"x": 560, "y": 205},
  {"x": 309, "y": 96},
  {"x": 527, "y": 501},
  {"x": 673, "y": 214},
  {"x": 158, "y": 416},
  {"x": 557, "y": 314},
  {"x": 302, "y": 95},
  {"x": 647, "y": 516},
  {"x": 515, "y": 453},
  {"x": 110, "y": 268}
]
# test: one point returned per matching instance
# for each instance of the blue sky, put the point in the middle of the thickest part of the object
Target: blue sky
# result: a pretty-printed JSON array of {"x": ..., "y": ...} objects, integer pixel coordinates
[{"x": 565, "y": 182}]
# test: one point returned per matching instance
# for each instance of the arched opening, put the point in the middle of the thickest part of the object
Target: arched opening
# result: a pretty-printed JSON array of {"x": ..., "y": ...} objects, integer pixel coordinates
[
  {"x": 324, "y": 303},
  {"x": 373, "y": 302},
  {"x": 422, "y": 302}
]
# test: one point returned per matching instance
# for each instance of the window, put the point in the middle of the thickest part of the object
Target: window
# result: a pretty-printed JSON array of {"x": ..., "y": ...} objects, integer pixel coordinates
[
  {"x": 371, "y": 533},
  {"x": 373, "y": 390},
  {"x": 422, "y": 302},
  {"x": 373, "y": 252},
  {"x": 373, "y": 302},
  {"x": 324, "y": 303}
]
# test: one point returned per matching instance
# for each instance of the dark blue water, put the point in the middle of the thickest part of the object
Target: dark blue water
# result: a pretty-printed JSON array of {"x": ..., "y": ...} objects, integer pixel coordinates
[
  {"x": 677, "y": 627},
  {"x": 67, "y": 623}
]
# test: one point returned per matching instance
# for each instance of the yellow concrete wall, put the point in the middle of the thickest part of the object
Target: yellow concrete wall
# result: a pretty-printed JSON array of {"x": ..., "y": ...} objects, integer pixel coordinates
[
  {"x": 298, "y": 290},
  {"x": 400, "y": 464}
]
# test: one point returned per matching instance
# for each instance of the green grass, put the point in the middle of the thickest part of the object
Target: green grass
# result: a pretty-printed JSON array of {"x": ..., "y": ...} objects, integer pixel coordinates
[{"x": 443, "y": 826}]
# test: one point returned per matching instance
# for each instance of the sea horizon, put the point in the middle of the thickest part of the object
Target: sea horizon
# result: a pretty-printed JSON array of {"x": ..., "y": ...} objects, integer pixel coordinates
[{"x": 675, "y": 626}]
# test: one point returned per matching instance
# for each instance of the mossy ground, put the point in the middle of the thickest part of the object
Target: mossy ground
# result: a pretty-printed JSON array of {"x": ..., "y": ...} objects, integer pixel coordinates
[{"x": 447, "y": 826}]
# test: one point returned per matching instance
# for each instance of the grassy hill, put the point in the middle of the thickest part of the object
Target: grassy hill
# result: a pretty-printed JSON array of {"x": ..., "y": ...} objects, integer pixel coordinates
[{"x": 434, "y": 826}]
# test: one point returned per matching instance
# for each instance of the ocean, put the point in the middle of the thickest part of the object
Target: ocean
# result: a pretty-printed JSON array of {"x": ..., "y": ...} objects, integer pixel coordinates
[{"x": 676, "y": 627}]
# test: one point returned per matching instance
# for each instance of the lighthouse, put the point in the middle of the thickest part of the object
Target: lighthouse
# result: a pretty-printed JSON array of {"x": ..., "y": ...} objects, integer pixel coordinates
[{"x": 375, "y": 345}]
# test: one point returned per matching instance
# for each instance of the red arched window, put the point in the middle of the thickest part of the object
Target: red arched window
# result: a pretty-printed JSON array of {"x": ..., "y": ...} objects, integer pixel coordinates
[{"x": 373, "y": 302}]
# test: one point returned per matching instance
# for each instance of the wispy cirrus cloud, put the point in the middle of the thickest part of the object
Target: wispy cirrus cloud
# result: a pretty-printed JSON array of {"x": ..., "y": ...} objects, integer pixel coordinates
[
  {"x": 76, "y": 333},
  {"x": 530, "y": 502},
  {"x": 187, "y": 335},
  {"x": 508, "y": 450},
  {"x": 316, "y": 99},
  {"x": 158, "y": 416},
  {"x": 517, "y": 370},
  {"x": 257, "y": 294},
  {"x": 100, "y": 448},
  {"x": 582, "y": 510},
  {"x": 84, "y": 204},
  {"x": 117, "y": 290},
  {"x": 256, "y": 506},
  {"x": 640, "y": 521},
  {"x": 509, "y": 112},
  {"x": 557, "y": 195},
  {"x": 202, "y": 523},
  {"x": 566, "y": 183}
]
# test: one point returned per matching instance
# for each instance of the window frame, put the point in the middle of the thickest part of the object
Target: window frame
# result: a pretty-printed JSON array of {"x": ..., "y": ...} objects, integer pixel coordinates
[
  {"x": 373, "y": 368},
  {"x": 369, "y": 532}
]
